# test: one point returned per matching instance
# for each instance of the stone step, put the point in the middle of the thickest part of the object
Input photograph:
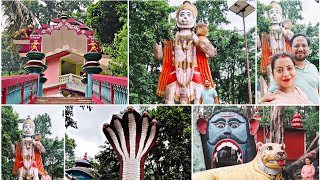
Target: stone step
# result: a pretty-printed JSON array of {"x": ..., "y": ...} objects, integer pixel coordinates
[{"x": 64, "y": 100}]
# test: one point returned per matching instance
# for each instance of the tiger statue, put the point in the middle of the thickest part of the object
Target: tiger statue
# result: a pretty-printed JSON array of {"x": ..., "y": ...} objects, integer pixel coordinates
[{"x": 267, "y": 165}]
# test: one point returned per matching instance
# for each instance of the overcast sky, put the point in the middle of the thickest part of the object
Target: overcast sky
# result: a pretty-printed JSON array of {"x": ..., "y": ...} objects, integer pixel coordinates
[{"x": 54, "y": 111}]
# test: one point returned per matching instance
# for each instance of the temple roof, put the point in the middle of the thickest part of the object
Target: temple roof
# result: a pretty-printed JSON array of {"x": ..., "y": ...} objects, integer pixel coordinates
[
  {"x": 88, "y": 171},
  {"x": 83, "y": 163},
  {"x": 71, "y": 23}
]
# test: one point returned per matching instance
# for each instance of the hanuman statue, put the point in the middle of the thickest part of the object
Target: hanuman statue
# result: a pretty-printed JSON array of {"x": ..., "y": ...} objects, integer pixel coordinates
[
  {"x": 28, "y": 161},
  {"x": 278, "y": 39},
  {"x": 185, "y": 64}
]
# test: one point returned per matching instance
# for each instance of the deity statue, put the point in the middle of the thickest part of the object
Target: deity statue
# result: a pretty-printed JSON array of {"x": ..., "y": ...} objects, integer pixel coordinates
[
  {"x": 278, "y": 39},
  {"x": 93, "y": 45},
  {"x": 28, "y": 161},
  {"x": 34, "y": 45},
  {"x": 227, "y": 138},
  {"x": 185, "y": 64}
]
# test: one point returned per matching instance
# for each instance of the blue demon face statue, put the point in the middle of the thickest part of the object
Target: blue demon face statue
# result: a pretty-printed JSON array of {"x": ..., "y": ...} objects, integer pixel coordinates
[{"x": 227, "y": 139}]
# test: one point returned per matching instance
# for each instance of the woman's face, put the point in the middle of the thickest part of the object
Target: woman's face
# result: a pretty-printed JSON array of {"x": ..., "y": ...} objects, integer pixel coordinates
[
  {"x": 284, "y": 72},
  {"x": 307, "y": 161}
]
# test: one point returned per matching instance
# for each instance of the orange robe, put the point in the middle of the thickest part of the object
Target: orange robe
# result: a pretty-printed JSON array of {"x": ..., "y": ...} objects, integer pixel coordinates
[
  {"x": 168, "y": 67},
  {"x": 18, "y": 163},
  {"x": 266, "y": 52}
]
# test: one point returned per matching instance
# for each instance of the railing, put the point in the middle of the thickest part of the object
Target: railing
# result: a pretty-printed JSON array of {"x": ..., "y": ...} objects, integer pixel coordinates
[
  {"x": 21, "y": 89},
  {"x": 73, "y": 82},
  {"x": 109, "y": 89}
]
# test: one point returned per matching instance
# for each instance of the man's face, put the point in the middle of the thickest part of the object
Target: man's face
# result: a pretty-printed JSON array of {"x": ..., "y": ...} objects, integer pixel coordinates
[
  {"x": 28, "y": 129},
  {"x": 206, "y": 83},
  {"x": 185, "y": 19},
  {"x": 300, "y": 48},
  {"x": 227, "y": 137},
  {"x": 275, "y": 15}
]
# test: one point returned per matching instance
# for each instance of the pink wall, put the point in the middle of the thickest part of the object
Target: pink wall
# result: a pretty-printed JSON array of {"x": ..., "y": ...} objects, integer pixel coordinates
[
  {"x": 53, "y": 90},
  {"x": 50, "y": 92},
  {"x": 52, "y": 73}
]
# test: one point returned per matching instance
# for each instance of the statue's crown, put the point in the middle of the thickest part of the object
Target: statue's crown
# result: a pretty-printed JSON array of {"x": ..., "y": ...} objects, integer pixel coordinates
[
  {"x": 276, "y": 5},
  {"x": 29, "y": 121},
  {"x": 187, "y": 5}
]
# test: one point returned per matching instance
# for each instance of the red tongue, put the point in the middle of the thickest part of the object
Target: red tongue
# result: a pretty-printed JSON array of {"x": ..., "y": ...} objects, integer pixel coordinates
[{"x": 281, "y": 162}]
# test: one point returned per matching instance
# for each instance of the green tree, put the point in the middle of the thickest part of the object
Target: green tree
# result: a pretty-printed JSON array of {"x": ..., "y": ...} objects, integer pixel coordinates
[
  {"x": 118, "y": 49},
  {"x": 104, "y": 18},
  {"x": 70, "y": 145},
  {"x": 43, "y": 124},
  {"x": 47, "y": 10},
  {"x": 11, "y": 63},
  {"x": 148, "y": 25},
  {"x": 53, "y": 159},
  {"x": 292, "y": 10},
  {"x": 228, "y": 68},
  {"x": 16, "y": 14},
  {"x": 212, "y": 12},
  {"x": 10, "y": 134},
  {"x": 311, "y": 123}
]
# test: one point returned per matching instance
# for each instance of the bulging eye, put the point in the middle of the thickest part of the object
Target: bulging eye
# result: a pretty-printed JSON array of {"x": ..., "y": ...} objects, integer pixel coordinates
[
  {"x": 235, "y": 125},
  {"x": 220, "y": 125},
  {"x": 269, "y": 148},
  {"x": 282, "y": 148}
]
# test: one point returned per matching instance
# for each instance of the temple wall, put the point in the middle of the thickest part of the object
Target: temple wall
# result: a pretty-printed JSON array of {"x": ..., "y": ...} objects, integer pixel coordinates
[
  {"x": 51, "y": 92},
  {"x": 53, "y": 71},
  {"x": 63, "y": 40}
]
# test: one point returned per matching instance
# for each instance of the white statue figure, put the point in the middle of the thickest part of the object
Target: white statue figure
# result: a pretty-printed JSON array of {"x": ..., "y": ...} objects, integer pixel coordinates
[
  {"x": 185, "y": 65},
  {"x": 28, "y": 162}
]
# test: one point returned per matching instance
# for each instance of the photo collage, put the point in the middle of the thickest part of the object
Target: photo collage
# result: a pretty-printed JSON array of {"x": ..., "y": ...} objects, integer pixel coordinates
[{"x": 160, "y": 90}]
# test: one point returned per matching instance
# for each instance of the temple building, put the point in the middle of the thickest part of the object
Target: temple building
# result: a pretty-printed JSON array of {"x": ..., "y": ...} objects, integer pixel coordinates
[
  {"x": 64, "y": 42},
  {"x": 82, "y": 170}
]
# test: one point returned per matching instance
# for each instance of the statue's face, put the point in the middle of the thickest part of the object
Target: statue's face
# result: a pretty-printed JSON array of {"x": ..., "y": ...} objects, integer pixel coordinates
[
  {"x": 227, "y": 135},
  {"x": 185, "y": 19},
  {"x": 28, "y": 130},
  {"x": 275, "y": 15}
]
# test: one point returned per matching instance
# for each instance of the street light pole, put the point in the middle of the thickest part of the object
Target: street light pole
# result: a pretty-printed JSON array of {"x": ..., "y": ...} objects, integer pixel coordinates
[
  {"x": 243, "y": 9},
  {"x": 247, "y": 60}
]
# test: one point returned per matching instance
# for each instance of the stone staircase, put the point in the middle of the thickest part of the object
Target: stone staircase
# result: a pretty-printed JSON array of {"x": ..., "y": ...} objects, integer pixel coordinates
[{"x": 63, "y": 100}]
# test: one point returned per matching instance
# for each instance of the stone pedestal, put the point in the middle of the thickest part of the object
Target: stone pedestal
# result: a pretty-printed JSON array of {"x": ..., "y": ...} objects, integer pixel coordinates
[
  {"x": 92, "y": 66},
  {"x": 36, "y": 66}
]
